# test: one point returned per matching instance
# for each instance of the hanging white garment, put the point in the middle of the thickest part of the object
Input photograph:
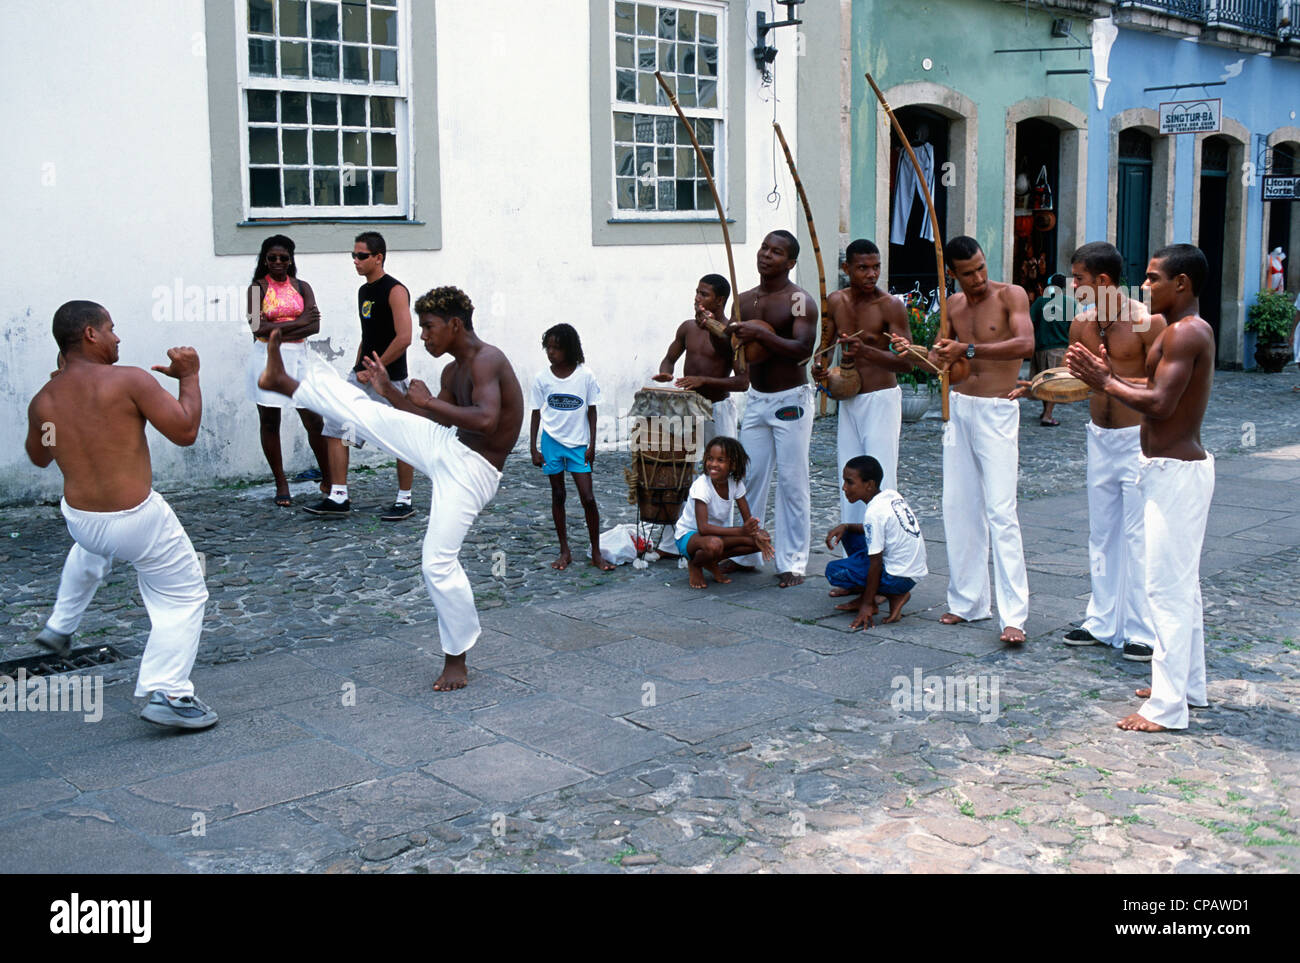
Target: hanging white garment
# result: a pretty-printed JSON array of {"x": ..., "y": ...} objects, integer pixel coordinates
[{"x": 908, "y": 190}]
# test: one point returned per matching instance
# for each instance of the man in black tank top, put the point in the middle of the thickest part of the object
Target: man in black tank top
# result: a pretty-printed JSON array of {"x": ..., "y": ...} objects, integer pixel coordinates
[{"x": 384, "y": 306}]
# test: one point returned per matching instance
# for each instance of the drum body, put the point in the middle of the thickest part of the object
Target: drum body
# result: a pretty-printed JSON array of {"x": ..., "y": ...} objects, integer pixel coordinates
[
  {"x": 1059, "y": 386},
  {"x": 665, "y": 439}
]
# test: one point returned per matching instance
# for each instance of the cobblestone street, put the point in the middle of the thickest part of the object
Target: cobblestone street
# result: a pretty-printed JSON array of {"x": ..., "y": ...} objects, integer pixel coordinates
[{"x": 620, "y": 722}]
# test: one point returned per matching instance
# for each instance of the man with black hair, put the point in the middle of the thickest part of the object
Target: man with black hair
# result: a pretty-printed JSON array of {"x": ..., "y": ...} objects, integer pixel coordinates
[
  {"x": 90, "y": 419},
  {"x": 1176, "y": 478},
  {"x": 780, "y": 318},
  {"x": 708, "y": 366},
  {"x": 460, "y": 439},
  {"x": 981, "y": 443},
  {"x": 384, "y": 305}
]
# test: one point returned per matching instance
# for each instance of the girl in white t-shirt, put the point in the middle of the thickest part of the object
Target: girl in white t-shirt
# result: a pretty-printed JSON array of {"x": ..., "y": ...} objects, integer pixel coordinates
[{"x": 703, "y": 534}]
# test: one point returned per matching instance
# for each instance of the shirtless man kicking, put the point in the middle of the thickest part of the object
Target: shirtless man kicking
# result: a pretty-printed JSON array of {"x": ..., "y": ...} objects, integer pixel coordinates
[
  {"x": 981, "y": 443},
  {"x": 1176, "y": 478},
  {"x": 709, "y": 358},
  {"x": 868, "y": 423},
  {"x": 1118, "y": 614},
  {"x": 460, "y": 439},
  {"x": 777, "y": 429},
  {"x": 90, "y": 420}
]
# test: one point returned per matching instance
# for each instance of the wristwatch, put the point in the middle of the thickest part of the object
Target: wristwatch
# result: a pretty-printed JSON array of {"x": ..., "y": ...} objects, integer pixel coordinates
[{"x": 970, "y": 351}]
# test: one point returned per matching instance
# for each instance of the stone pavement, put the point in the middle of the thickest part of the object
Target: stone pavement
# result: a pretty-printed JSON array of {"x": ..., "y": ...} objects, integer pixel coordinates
[{"x": 623, "y": 723}]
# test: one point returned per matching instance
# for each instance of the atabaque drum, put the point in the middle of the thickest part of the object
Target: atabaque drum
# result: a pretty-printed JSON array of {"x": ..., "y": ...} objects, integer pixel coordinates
[{"x": 664, "y": 437}]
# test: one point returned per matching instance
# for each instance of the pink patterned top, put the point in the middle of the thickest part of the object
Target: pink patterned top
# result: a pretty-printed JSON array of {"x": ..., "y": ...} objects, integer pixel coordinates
[{"x": 282, "y": 301}]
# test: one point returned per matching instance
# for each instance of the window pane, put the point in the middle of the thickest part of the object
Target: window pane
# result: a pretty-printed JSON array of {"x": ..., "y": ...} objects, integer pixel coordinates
[
  {"x": 354, "y": 149},
  {"x": 625, "y": 190},
  {"x": 261, "y": 106},
  {"x": 293, "y": 107},
  {"x": 624, "y": 165},
  {"x": 626, "y": 83},
  {"x": 383, "y": 112},
  {"x": 383, "y": 150},
  {"x": 325, "y": 147},
  {"x": 667, "y": 58},
  {"x": 708, "y": 95},
  {"x": 645, "y": 19},
  {"x": 708, "y": 28},
  {"x": 645, "y": 196},
  {"x": 264, "y": 187},
  {"x": 262, "y": 146},
  {"x": 703, "y": 196},
  {"x": 645, "y": 56},
  {"x": 294, "y": 145},
  {"x": 686, "y": 24},
  {"x": 704, "y": 131},
  {"x": 686, "y": 91},
  {"x": 293, "y": 18},
  {"x": 384, "y": 66},
  {"x": 623, "y": 127},
  {"x": 325, "y": 61},
  {"x": 384, "y": 186},
  {"x": 354, "y": 22},
  {"x": 624, "y": 14},
  {"x": 325, "y": 21},
  {"x": 324, "y": 110},
  {"x": 708, "y": 63},
  {"x": 260, "y": 17},
  {"x": 354, "y": 110},
  {"x": 293, "y": 59},
  {"x": 357, "y": 193},
  {"x": 685, "y": 195},
  {"x": 326, "y": 184},
  {"x": 668, "y": 23},
  {"x": 708, "y": 157},
  {"x": 646, "y": 88},
  {"x": 354, "y": 64},
  {"x": 686, "y": 58},
  {"x": 685, "y": 162},
  {"x": 297, "y": 187},
  {"x": 664, "y": 161},
  {"x": 624, "y": 52},
  {"x": 645, "y": 129},
  {"x": 667, "y": 195},
  {"x": 645, "y": 162},
  {"x": 383, "y": 27},
  {"x": 261, "y": 58}
]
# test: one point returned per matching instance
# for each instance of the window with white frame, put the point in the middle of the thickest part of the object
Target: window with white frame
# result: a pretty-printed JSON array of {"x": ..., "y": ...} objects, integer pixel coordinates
[
  {"x": 323, "y": 108},
  {"x": 656, "y": 173}
]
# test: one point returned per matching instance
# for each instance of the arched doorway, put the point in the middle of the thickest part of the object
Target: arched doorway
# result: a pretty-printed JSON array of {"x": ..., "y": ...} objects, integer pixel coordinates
[
  {"x": 911, "y": 239},
  {"x": 1282, "y": 218},
  {"x": 1133, "y": 201},
  {"x": 1213, "y": 186},
  {"x": 1219, "y": 223}
]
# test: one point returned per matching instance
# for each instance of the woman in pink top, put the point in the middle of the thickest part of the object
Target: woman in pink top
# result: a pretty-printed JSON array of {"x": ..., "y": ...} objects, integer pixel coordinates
[{"x": 277, "y": 300}]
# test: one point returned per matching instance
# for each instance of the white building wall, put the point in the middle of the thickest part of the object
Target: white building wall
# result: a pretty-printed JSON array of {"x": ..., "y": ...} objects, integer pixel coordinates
[{"x": 108, "y": 197}]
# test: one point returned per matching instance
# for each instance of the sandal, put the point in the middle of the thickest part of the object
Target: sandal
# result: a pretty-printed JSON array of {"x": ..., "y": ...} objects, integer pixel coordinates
[
  {"x": 284, "y": 501},
  {"x": 1048, "y": 423}
]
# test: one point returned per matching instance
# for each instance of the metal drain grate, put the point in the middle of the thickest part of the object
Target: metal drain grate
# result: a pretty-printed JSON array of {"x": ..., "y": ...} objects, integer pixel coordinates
[{"x": 86, "y": 657}]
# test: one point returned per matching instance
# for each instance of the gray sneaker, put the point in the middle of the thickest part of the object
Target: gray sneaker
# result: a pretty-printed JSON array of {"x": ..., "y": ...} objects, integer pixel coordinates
[
  {"x": 183, "y": 712},
  {"x": 55, "y": 642}
]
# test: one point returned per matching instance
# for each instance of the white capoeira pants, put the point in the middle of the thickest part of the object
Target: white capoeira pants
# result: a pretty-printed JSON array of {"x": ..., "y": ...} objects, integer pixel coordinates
[
  {"x": 776, "y": 433},
  {"x": 868, "y": 424},
  {"x": 981, "y": 462},
  {"x": 463, "y": 483},
  {"x": 151, "y": 538},
  {"x": 1176, "y": 501},
  {"x": 1117, "y": 611},
  {"x": 723, "y": 422}
]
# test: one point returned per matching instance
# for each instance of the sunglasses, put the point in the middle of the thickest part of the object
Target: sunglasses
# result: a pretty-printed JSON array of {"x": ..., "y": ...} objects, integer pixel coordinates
[
  {"x": 277, "y": 258},
  {"x": 362, "y": 255}
]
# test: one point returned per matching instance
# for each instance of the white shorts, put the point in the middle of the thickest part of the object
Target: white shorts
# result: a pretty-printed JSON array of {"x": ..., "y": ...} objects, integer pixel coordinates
[{"x": 294, "y": 354}]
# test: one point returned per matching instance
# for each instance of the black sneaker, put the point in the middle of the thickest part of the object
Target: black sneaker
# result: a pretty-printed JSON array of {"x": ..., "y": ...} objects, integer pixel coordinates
[
  {"x": 1138, "y": 652},
  {"x": 399, "y": 512},
  {"x": 327, "y": 506},
  {"x": 1082, "y": 637}
]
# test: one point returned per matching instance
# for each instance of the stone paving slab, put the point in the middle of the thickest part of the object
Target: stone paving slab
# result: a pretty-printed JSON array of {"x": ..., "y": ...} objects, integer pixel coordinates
[
  {"x": 505, "y": 772},
  {"x": 79, "y": 841}
]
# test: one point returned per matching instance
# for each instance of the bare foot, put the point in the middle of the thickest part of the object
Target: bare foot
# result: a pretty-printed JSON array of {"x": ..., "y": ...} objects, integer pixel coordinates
[
  {"x": 949, "y": 619},
  {"x": 788, "y": 579},
  {"x": 1143, "y": 693},
  {"x": 718, "y": 575},
  {"x": 563, "y": 562},
  {"x": 598, "y": 561},
  {"x": 731, "y": 566},
  {"x": 1012, "y": 635},
  {"x": 837, "y": 593},
  {"x": 896, "y": 604},
  {"x": 852, "y": 605},
  {"x": 454, "y": 674},
  {"x": 274, "y": 377},
  {"x": 1137, "y": 723},
  {"x": 696, "y": 574}
]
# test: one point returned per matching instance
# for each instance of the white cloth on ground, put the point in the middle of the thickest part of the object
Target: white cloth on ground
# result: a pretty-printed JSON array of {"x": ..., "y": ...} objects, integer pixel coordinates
[
  {"x": 719, "y": 508},
  {"x": 981, "y": 463},
  {"x": 1117, "y": 610},
  {"x": 1176, "y": 500},
  {"x": 563, "y": 403},
  {"x": 294, "y": 354},
  {"x": 776, "y": 433},
  {"x": 463, "y": 483},
  {"x": 869, "y": 424},
  {"x": 151, "y": 538},
  {"x": 892, "y": 531},
  {"x": 907, "y": 190}
]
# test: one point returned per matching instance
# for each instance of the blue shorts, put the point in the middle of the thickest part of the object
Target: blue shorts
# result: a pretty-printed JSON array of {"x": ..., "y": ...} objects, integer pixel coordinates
[
  {"x": 851, "y": 572},
  {"x": 557, "y": 458},
  {"x": 683, "y": 542}
]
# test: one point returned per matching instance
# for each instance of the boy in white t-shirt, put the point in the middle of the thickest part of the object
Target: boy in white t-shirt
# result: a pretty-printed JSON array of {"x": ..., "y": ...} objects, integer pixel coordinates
[
  {"x": 704, "y": 533},
  {"x": 564, "y": 398},
  {"x": 886, "y": 553}
]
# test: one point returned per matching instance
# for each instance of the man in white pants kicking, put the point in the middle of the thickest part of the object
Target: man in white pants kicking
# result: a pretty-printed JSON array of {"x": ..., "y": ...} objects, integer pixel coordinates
[
  {"x": 90, "y": 419},
  {"x": 776, "y": 430},
  {"x": 981, "y": 443},
  {"x": 460, "y": 439},
  {"x": 1118, "y": 614},
  {"x": 1176, "y": 478}
]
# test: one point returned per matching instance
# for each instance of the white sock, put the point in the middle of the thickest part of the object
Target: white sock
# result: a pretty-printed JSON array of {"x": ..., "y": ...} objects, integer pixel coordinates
[
  {"x": 404, "y": 496},
  {"x": 339, "y": 493}
]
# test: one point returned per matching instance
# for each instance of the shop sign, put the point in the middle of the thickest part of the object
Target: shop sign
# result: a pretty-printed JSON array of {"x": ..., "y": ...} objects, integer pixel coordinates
[
  {"x": 1190, "y": 116},
  {"x": 1279, "y": 188}
]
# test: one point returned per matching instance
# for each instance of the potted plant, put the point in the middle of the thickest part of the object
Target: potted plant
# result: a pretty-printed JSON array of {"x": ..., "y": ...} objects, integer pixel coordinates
[
  {"x": 919, "y": 385},
  {"x": 1270, "y": 319}
]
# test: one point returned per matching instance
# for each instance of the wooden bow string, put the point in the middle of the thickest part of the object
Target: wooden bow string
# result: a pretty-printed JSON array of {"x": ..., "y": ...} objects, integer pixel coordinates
[
  {"x": 736, "y": 347},
  {"x": 824, "y": 342},
  {"x": 938, "y": 240}
]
